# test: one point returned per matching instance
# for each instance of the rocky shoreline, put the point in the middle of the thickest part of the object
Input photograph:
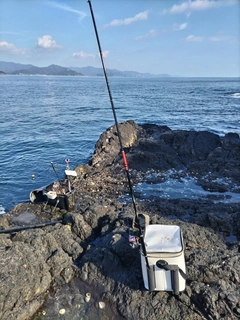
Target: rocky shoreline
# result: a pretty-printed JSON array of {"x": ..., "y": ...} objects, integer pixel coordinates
[{"x": 47, "y": 272}]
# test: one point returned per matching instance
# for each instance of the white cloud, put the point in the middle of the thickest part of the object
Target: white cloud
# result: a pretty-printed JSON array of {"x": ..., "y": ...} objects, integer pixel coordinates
[
  {"x": 178, "y": 27},
  {"x": 150, "y": 34},
  {"x": 82, "y": 54},
  {"x": 6, "y": 46},
  {"x": 219, "y": 38},
  {"x": 66, "y": 7},
  {"x": 192, "y": 38},
  {"x": 105, "y": 53},
  {"x": 47, "y": 42},
  {"x": 120, "y": 22},
  {"x": 10, "y": 48},
  {"x": 9, "y": 32},
  {"x": 197, "y": 5}
]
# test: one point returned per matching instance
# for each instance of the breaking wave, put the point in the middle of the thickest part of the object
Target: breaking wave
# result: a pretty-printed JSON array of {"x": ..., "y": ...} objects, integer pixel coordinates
[
  {"x": 236, "y": 95},
  {"x": 2, "y": 209}
]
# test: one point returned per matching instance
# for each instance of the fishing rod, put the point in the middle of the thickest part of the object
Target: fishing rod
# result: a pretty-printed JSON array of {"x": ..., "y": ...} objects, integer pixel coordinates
[
  {"x": 34, "y": 226},
  {"x": 113, "y": 110},
  {"x": 119, "y": 137},
  {"x": 55, "y": 170}
]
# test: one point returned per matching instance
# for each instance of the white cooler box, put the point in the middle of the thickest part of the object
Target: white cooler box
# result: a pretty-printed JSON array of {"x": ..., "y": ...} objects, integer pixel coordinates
[{"x": 165, "y": 257}]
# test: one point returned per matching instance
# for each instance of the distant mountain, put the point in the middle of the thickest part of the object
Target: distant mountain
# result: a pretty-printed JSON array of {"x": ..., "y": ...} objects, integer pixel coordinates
[
  {"x": 9, "y": 67},
  {"x": 91, "y": 71},
  {"x": 50, "y": 70},
  {"x": 28, "y": 69}
]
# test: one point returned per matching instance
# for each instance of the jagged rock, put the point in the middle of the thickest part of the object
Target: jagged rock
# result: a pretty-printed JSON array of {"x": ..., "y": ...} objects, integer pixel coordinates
[{"x": 88, "y": 252}]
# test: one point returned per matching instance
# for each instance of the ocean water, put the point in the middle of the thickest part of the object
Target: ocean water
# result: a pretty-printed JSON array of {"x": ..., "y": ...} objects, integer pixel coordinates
[{"x": 46, "y": 119}]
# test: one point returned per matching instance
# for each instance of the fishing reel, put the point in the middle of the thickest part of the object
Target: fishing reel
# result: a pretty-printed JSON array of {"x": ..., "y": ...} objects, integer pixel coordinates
[
  {"x": 133, "y": 241},
  {"x": 67, "y": 164}
]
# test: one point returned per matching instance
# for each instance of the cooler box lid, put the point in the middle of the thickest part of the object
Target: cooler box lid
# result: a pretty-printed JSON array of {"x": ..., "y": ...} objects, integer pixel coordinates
[{"x": 162, "y": 238}]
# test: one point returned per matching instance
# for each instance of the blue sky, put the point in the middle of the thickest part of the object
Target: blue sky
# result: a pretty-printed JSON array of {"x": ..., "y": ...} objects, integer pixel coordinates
[{"x": 177, "y": 37}]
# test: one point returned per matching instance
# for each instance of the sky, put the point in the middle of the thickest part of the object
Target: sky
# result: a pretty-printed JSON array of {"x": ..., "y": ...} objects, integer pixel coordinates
[{"x": 189, "y": 38}]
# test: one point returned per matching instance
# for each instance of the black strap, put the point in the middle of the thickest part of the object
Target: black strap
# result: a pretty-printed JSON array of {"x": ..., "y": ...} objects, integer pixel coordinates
[
  {"x": 162, "y": 264},
  {"x": 174, "y": 269}
]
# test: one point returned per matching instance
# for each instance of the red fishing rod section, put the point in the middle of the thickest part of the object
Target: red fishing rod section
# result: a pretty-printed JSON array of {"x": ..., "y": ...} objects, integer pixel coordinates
[
  {"x": 113, "y": 109},
  {"x": 119, "y": 135},
  {"x": 152, "y": 278}
]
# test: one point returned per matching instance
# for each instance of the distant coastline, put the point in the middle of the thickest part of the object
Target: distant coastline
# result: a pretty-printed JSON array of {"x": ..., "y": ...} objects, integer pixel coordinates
[{"x": 28, "y": 69}]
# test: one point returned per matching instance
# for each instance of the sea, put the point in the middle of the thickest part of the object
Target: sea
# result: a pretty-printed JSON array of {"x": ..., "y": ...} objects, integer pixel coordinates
[{"x": 46, "y": 119}]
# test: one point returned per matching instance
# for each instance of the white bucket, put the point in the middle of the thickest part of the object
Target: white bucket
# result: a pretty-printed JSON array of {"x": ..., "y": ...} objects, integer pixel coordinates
[{"x": 165, "y": 257}]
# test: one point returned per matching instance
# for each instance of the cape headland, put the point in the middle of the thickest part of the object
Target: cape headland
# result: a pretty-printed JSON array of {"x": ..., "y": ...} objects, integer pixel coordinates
[{"x": 84, "y": 266}]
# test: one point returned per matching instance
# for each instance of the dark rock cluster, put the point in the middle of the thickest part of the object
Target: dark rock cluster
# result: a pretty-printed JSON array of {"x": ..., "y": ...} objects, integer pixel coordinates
[{"x": 84, "y": 267}]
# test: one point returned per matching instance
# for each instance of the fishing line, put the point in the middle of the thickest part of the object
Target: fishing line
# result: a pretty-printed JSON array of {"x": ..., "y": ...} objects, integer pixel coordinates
[
  {"x": 119, "y": 135},
  {"x": 113, "y": 110},
  {"x": 141, "y": 219}
]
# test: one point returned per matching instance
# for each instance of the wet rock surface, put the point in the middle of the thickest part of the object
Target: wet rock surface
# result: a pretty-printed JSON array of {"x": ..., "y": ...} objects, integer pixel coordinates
[{"x": 47, "y": 272}]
